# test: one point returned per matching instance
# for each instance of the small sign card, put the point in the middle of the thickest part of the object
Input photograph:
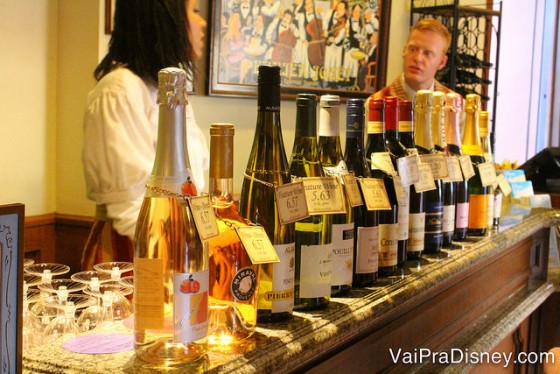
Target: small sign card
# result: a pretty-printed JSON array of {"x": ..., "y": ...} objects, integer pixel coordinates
[
  {"x": 408, "y": 169},
  {"x": 204, "y": 217},
  {"x": 399, "y": 190},
  {"x": 438, "y": 164},
  {"x": 352, "y": 189},
  {"x": 382, "y": 161},
  {"x": 257, "y": 244},
  {"x": 454, "y": 168},
  {"x": 426, "y": 182},
  {"x": 504, "y": 184},
  {"x": 291, "y": 202},
  {"x": 324, "y": 195},
  {"x": 487, "y": 174},
  {"x": 375, "y": 194},
  {"x": 466, "y": 167}
]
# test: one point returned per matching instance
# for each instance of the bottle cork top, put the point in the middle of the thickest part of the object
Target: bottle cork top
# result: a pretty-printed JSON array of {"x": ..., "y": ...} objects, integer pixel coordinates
[
  {"x": 222, "y": 129},
  {"x": 472, "y": 102},
  {"x": 453, "y": 100},
  {"x": 330, "y": 100},
  {"x": 439, "y": 99},
  {"x": 172, "y": 86},
  {"x": 424, "y": 98}
]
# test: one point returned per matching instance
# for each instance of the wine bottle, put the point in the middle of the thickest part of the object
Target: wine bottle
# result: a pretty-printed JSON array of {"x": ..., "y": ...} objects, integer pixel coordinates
[
  {"x": 396, "y": 150},
  {"x": 268, "y": 167},
  {"x": 489, "y": 158},
  {"x": 376, "y": 153},
  {"x": 233, "y": 287},
  {"x": 313, "y": 260},
  {"x": 440, "y": 143},
  {"x": 453, "y": 110},
  {"x": 478, "y": 194},
  {"x": 417, "y": 209},
  {"x": 366, "y": 222},
  {"x": 170, "y": 261},
  {"x": 433, "y": 238},
  {"x": 330, "y": 155}
]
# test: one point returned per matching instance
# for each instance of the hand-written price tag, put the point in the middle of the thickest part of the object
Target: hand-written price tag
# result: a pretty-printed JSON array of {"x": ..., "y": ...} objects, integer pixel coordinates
[
  {"x": 504, "y": 184},
  {"x": 426, "y": 182},
  {"x": 324, "y": 195},
  {"x": 466, "y": 167},
  {"x": 438, "y": 164},
  {"x": 204, "y": 217},
  {"x": 382, "y": 161},
  {"x": 257, "y": 244},
  {"x": 352, "y": 190},
  {"x": 454, "y": 168},
  {"x": 408, "y": 169},
  {"x": 375, "y": 194},
  {"x": 487, "y": 174},
  {"x": 399, "y": 190},
  {"x": 291, "y": 202}
]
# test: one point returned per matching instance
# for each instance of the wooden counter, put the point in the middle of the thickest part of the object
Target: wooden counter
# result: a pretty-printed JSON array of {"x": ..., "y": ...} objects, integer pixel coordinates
[{"x": 470, "y": 297}]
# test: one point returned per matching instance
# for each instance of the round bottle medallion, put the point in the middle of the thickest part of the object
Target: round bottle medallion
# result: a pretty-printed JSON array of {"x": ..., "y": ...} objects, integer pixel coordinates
[{"x": 243, "y": 284}]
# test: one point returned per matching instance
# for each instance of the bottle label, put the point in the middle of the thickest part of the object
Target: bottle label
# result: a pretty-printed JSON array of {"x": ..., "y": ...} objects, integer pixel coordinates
[
  {"x": 497, "y": 205},
  {"x": 434, "y": 221},
  {"x": 375, "y": 127},
  {"x": 454, "y": 168},
  {"x": 403, "y": 214},
  {"x": 278, "y": 294},
  {"x": 190, "y": 306},
  {"x": 406, "y": 126},
  {"x": 244, "y": 283},
  {"x": 478, "y": 211},
  {"x": 343, "y": 253},
  {"x": 336, "y": 171},
  {"x": 315, "y": 271},
  {"x": 448, "y": 224},
  {"x": 408, "y": 169},
  {"x": 388, "y": 244},
  {"x": 462, "y": 216},
  {"x": 352, "y": 190},
  {"x": 148, "y": 294},
  {"x": 416, "y": 224},
  {"x": 367, "y": 256},
  {"x": 328, "y": 121}
]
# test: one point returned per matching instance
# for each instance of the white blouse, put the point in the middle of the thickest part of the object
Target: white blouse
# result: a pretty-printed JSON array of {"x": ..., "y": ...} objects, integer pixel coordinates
[{"x": 120, "y": 135}]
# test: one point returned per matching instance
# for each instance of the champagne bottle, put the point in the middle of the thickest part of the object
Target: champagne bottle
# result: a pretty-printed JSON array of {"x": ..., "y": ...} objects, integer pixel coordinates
[
  {"x": 417, "y": 209},
  {"x": 268, "y": 167},
  {"x": 433, "y": 238},
  {"x": 489, "y": 158},
  {"x": 438, "y": 131},
  {"x": 478, "y": 194},
  {"x": 396, "y": 150},
  {"x": 313, "y": 234},
  {"x": 366, "y": 222},
  {"x": 233, "y": 278},
  {"x": 330, "y": 155},
  {"x": 170, "y": 260},
  {"x": 453, "y": 110},
  {"x": 376, "y": 152}
]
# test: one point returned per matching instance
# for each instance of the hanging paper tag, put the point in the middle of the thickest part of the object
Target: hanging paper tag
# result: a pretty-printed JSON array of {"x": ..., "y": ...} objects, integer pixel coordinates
[
  {"x": 454, "y": 168},
  {"x": 375, "y": 194},
  {"x": 438, "y": 164},
  {"x": 204, "y": 217},
  {"x": 324, "y": 195},
  {"x": 399, "y": 190},
  {"x": 257, "y": 244},
  {"x": 487, "y": 174},
  {"x": 408, "y": 169},
  {"x": 466, "y": 167},
  {"x": 504, "y": 184},
  {"x": 335, "y": 171},
  {"x": 291, "y": 202},
  {"x": 426, "y": 182},
  {"x": 352, "y": 190},
  {"x": 382, "y": 161}
]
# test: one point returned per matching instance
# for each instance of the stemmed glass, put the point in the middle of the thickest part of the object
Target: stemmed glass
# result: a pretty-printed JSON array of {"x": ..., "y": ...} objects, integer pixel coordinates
[
  {"x": 62, "y": 287},
  {"x": 92, "y": 316},
  {"x": 120, "y": 306},
  {"x": 115, "y": 268},
  {"x": 63, "y": 326},
  {"x": 46, "y": 270}
]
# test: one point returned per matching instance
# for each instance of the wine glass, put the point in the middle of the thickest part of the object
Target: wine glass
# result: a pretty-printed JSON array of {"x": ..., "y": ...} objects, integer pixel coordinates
[
  {"x": 127, "y": 282},
  {"x": 47, "y": 270},
  {"x": 62, "y": 287},
  {"x": 92, "y": 315},
  {"x": 28, "y": 262},
  {"x": 121, "y": 307},
  {"x": 64, "y": 326},
  {"x": 32, "y": 330},
  {"x": 115, "y": 268}
]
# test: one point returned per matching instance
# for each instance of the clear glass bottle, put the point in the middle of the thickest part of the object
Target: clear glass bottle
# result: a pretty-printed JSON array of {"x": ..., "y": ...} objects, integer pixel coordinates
[
  {"x": 489, "y": 158},
  {"x": 417, "y": 208},
  {"x": 478, "y": 194},
  {"x": 268, "y": 167},
  {"x": 423, "y": 138},
  {"x": 366, "y": 222},
  {"x": 313, "y": 234},
  {"x": 388, "y": 219},
  {"x": 233, "y": 286},
  {"x": 170, "y": 260},
  {"x": 330, "y": 155}
]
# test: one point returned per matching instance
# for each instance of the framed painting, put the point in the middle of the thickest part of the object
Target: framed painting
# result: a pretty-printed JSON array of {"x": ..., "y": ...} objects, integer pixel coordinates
[
  {"x": 11, "y": 287},
  {"x": 322, "y": 46}
]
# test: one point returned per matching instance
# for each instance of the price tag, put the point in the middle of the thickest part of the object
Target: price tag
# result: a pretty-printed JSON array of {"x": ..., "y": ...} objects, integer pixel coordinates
[
  {"x": 399, "y": 190},
  {"x": 291, "y": 202},
  {"x": 352, "y": 189},
  {"x": 257, "y": 244},
  {"x": 438, "y": 164},
  {"x": 454, "y": 168},
  {"x": 382, "y": 161},
  {"x": 204, "y": 217},
  {"x": 408, "y": 169},
  {"x": 324, "y": 195},
  {"x": 504, "y": 184},
  {"x": 375, "y": 194},
  {"x": 426, "y": 182},
  {"x": 487, "y": 174},
  {"x": 466, "y": 167}
]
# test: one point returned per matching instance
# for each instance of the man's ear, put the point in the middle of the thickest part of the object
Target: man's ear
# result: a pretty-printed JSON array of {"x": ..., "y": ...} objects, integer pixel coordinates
[{"x": 442, "y": 62}]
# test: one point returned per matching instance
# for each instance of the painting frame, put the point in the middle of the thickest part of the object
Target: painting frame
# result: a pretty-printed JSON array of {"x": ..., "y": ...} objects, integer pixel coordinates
[
  {"x": 11, "y": 287},
  {"x": 300, "y": 73}
]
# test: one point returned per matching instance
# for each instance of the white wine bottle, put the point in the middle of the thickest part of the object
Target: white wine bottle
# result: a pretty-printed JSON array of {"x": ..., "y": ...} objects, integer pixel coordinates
[{"x": 170, "y": 260}]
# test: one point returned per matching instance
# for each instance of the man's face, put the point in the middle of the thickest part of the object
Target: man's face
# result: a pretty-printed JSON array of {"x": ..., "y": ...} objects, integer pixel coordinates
[{"x": 423, "y": 56}]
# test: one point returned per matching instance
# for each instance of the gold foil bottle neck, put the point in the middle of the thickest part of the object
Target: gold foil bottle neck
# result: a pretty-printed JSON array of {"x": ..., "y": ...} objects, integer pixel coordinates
[
  {"x": 424, "y": 99},
  {"x": 172, "y": 87},
  {"x": 483, "y": 123},
  {"x": 439, "y": 99},
  {"x": 453, "y": 101},
  {"x": 221, "y": 150},
  {"x": 472, "y": 102}
]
